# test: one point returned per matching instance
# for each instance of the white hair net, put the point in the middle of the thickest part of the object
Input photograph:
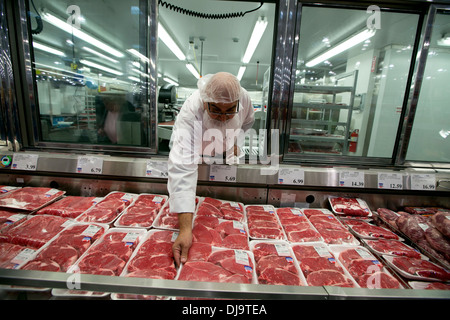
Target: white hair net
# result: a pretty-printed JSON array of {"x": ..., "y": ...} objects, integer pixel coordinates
[{"x": 222, "y": 87}]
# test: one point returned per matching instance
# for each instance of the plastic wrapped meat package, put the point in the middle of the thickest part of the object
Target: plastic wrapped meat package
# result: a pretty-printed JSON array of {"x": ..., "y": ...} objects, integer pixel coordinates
[
  {"x": 276, "y": 263},
  {"x": 152, "y": 259},
  {"x": 10, "y": 218},
  {"x": 417, "y": 269},
  {"x": 332, "y": 230},
  {"x": 222, "y": 209},
  {"x": 217, "y": 232},
  {"x": 212, "y": 264},
  {"x": 5, "y": 189},
  {"x": 392, "y": 248},
  {"x": 108, "y": 256},
  {"x": 296, "y": 226},
  {"x": 320, "y": 267},
  {"x": 69, "y": 206},
  {"x": 263, "y": 223},
  {"x": 366, "y": 230},
  {"x": 365, "y": 268},
  {"x": 35, "y": 231},
  {"x": 349, "y": 206},
  {"x": 30, "y": 198},
  {"x": 142, "y": 213},
  {"x": 108, "y": 209},
  {"x": 168, "y": 220}
]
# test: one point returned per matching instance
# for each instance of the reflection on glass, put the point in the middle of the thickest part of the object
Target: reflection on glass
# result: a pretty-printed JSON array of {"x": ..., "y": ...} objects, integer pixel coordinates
[
  {"x": 91, "y": 72},
  {"x": 430, "y": 139},
  {"x": 350, "y": 82}
]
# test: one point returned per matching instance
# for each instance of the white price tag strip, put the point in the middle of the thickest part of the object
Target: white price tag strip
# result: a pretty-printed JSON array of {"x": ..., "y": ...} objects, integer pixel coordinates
[
  {"x": 157, "y": 169},
  {"x": 390, "y": 181},
  {"x": 293, "y": 176},
  {"x": 352, "y": 179},
  {"x": 223, "y": 173},
  {"x": 22, "y": 161},
  {"x": 423, "y": 182},
  {"x": 90, "y": 165}
]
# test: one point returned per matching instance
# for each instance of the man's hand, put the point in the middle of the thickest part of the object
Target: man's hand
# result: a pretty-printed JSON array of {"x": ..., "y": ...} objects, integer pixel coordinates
[{"x": 183, "y": 242}]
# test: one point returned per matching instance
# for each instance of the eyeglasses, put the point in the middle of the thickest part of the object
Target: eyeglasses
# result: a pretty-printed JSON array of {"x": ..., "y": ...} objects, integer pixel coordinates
[{"x": 217, "y": 112}]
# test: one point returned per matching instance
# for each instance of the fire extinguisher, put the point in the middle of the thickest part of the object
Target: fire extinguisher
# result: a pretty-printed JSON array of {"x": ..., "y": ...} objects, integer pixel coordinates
[{"x": 353, "y": 140}]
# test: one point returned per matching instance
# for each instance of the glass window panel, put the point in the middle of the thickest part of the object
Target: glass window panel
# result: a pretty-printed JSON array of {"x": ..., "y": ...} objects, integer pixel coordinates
[
  {"x": 91, "y": 67},
  {"x": 430, "y": 140},
  {"x": 210, "y": 46},
  {"x": 350, "y": 81}
]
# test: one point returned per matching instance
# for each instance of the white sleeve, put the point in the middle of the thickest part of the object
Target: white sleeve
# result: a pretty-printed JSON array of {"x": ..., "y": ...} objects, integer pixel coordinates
[
  {"x": 249, "y": 116},
  {"x": 183, "y": 164}
]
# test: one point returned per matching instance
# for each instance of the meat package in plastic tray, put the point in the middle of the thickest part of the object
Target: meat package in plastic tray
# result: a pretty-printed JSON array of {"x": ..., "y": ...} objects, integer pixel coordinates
[
  {"x": 320, "y": 267},
  {"x": 142, "y": 212},
  {"x": 297, "y": 226},
  {"x": 365, "y": 230},
  {"x": 222, "y": 209},
  {"x": 10, "y": 218},
  {"x": 109, "y": 208},
  {"x": 169, "y": 220},
  {"x": 349, "y": 206},
  {"x": 5, "y": 189},
  {"x": 276, "y": 263},
  {"x": 152, "y": 259},
  {"x": 217, "y": 232},
  {"x": 392, "y": 248},
  {"x": 69, "y": 206},
  {"x": 30, "y": 198},
  {"x": 108, "y": 256},
  {"x": 207, "y": 263},
  {"x": 263, "y": 223},
  {"x": 368, "y": 271},
  {"x": 34, "y": 231},
  {"x": 332, "y": 230},
  {"x": 418, "y": 269}
]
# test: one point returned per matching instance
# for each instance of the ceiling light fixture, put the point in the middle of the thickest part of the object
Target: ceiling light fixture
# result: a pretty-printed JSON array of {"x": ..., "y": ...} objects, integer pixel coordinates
[
  {"x": 343, "y": 46},
  {"x": 139, "y": 55},
  {"x": 192, "y": 69},
  {"x": 170, "y": 81},
  {"x": 48, "y": 49},
  {"x": 101, "y": 55},
  {"x": 257, "y": 34},
  {"x": 169, "y": 42},
  {"x": 241, "y": 72},
  {"x": 80, "y": 34},
  {"x": 99, "y": 66}
]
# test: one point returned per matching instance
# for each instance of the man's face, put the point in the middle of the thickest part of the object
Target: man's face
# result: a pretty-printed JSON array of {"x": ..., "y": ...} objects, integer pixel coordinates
[{"x": 222, "y": 111}]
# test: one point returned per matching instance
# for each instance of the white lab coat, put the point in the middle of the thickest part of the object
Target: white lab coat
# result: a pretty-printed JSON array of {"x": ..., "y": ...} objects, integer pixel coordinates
[{"x": 187, "y": 148}]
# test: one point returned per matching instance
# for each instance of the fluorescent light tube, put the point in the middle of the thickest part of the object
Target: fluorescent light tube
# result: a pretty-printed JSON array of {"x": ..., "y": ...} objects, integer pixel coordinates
[
  {"x": 101, "y": 67},
  {"x": 80, "y": 34},
  {"x": 347, "y": 44},
  {"x": 241, "y": 72},
  {"x": 139, "y": 55},
  {"x": 101, "y": 55},
  {"x": 192, "y": 69},
  {"x": 168, "y": 41},
  {"x": 257, "y": 34},
  {"x": 170, "y": 81},
  {"x": 48, "y": 49}
]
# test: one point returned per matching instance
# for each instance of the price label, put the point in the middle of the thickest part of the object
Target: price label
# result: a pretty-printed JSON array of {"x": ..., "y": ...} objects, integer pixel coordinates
[
  {"x": 22, "y": 161},
  {"x": 423, "y": 182},
  {"x": 223, "y": 173},
  {"x": 390, "y": 181},
  {"x": 90, "y": 165},
  {"x": 157, "y": 169},
  {"x": 293, "y": 176},
  {"x": 352, "y": 179}
]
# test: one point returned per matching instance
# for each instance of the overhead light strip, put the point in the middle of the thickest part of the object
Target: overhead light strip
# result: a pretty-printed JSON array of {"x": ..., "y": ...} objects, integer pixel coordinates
[
  {"x": 101, "y": 67},
  {"x": 48, "y": 49},
  {"x": 256, "y": 36},
  {"x": 343, "y": 46},
  {"x": 169, "y": 42},
  {"x": 192, "y": 69}
]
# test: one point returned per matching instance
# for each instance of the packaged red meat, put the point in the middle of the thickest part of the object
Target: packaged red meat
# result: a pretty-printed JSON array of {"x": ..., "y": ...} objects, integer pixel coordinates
[
  {"x": 229, "y": 234},
  {"x": 276, "y": 263},
  {"x": 417, "y": 269},
  {"x": 220, "y": 265},
  {"x": 349, "y": 206},
  {"x": 388, "y": 216},
  {"x": 109, "y": 208},
  {"x": 296, "y": 226},
  {"x": 365, "y": 268},
  {"x": 441, "y": 220},
  {"x": 14, "y": 255},
  {"x": 6, "y": 189},
  {"x": 365, "y": 230},
  {"x": 30, "y": 198},
  {"x": 222, "y": 209},
  {"x": 35, "y": 231},
  {"x": 142, "y": 213},
  {"x": 332, "y": 230},
  {"x": 423, "y": 285},
  {"x": 68, "y": 206},
  {"x": 65, "y": 249},
  {"x": 320, "y": 267},
  {"x": 423, "y": 210},
  {"x": 317, "y": 211},
  {"x": 391, "y": 247},
  {"x": 166, "y": 219},
  {"x": 10, "y": 218},
  {"x": 263, "y": 223}
]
